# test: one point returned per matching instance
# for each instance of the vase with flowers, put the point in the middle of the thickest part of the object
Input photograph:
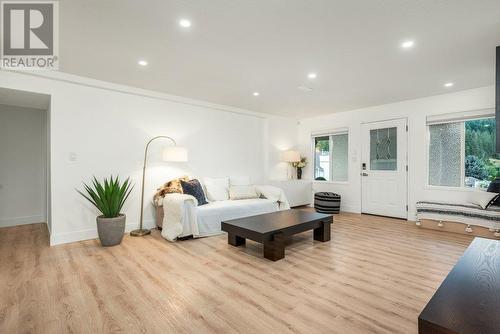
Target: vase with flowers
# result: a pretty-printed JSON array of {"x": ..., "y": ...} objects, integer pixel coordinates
[{"x": 299, "y": 165}]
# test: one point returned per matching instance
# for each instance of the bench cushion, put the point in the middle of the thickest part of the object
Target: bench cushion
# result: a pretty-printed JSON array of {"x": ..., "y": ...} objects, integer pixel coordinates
[{"x": 459, "y": 212}]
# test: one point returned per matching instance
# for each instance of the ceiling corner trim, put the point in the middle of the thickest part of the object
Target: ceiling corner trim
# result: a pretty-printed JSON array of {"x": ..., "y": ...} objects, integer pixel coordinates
[{"x": 93, "y": 83}]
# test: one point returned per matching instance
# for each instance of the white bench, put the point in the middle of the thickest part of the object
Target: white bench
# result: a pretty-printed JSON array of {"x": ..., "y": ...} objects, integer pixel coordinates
[{"x": 465, "y": 218}]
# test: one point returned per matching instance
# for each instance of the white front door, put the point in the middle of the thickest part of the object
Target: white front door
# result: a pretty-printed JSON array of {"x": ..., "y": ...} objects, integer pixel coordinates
[{"x": 384, "y": 168}]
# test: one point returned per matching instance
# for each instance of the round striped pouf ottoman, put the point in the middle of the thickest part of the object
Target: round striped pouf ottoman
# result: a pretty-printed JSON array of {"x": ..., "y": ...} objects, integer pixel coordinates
[{"x": 325, "y": 202}]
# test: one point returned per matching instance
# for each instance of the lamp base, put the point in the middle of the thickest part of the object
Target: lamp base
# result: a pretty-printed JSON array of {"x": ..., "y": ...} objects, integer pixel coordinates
[{"x": 140, "y": 232}]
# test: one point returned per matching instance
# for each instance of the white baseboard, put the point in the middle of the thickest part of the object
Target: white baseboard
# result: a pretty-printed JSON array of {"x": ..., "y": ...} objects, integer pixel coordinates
[
  {"x": 355, "y": 209},
  {"x": 6, "y": 222},
  {"x": 350, "y": 208},
  {"x": 67, "y": 237},
  {"x": 344, "y": 208},
  {"x": 412, "y": 216}
]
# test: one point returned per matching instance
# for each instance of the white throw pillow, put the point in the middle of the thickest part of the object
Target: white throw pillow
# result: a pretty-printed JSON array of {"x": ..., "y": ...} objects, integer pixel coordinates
[
  {"x": 240, "y": 181},
  {"x": 217, "y": 189},
  {"x": 481, "y": 198},
  {"x": 242, "y": 192}
]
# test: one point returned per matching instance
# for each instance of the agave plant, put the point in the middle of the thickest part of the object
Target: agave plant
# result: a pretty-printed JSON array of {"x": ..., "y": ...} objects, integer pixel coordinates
[{"x": 109, "y": 196}]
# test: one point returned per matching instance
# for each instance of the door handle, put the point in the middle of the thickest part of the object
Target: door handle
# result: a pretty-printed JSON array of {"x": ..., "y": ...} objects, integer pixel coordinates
[{"x": 364, "y": 174}]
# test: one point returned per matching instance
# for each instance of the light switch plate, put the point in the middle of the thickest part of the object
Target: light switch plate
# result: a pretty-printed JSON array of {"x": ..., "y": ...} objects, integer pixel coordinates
[{"x": 72, "y": 157}]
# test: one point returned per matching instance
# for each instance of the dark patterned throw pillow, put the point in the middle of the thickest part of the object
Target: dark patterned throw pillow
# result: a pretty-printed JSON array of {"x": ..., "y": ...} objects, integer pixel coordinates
[
  {"x": 194, "y": 188},
  {"x": 494, "y": 187},
  {"x": 493, "y": 201}
]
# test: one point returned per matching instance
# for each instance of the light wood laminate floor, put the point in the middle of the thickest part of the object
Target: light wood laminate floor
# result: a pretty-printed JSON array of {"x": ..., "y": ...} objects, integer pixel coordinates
[{"x": 374, "y": 276}]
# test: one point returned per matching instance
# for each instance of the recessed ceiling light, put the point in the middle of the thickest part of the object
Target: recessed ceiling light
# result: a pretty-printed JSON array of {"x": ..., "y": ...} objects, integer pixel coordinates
[
  {"x": 408, "y": 44},
  {"x": 185, "y": 23},
  {"x": 312, "y": 75},
  {"x": 142, "y": 63},
  {"x": 449, "y": 84},
  {"x": 256, "y": 93}
]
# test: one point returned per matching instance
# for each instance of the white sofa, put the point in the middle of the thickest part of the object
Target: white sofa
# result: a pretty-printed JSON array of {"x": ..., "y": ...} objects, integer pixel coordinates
[
  {"x": 180, "y": 216},
  {"x": 205, "y": 220}
]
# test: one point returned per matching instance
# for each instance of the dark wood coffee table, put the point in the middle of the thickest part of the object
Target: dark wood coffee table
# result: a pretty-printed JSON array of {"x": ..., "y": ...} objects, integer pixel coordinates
[
  {"x": 468, "y": 300},
  {"x": 272, "y": 229}
]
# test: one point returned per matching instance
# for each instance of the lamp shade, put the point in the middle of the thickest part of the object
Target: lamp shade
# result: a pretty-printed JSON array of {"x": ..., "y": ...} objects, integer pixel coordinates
[
  {"x": 175, "y": 154},
  {"x": 290, "y": 156}
]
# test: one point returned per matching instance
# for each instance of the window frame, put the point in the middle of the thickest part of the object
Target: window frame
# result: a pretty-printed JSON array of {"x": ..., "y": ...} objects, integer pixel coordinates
[
  {"x": 329, "y": 134},
  {"x": 460, "y": 117}
]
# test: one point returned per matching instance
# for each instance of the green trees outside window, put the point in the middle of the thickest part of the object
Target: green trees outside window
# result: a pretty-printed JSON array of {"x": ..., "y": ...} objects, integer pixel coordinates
[{"x": 481, "y": 161}]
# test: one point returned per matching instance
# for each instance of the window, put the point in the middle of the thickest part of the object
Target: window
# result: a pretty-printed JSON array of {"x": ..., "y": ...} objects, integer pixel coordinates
[
  {"x": 331, "y": 157},
  {"x": 462, "y": 153}
]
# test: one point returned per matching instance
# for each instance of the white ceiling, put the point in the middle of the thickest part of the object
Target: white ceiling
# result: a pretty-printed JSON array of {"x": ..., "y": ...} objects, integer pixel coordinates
[{"x": 236, "y": 47}]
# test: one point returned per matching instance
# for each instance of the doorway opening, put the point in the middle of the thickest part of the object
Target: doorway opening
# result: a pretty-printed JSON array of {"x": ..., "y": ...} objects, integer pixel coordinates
[{"x": 25, "y": 159}]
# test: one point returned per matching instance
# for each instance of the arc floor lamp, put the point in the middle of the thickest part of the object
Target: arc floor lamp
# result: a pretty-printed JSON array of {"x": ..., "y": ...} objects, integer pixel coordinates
[{"x": 172, "y": 154}]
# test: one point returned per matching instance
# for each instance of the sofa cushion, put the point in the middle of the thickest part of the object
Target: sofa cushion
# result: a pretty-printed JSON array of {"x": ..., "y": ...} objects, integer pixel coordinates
[
  {"x": 217, "y": 188},
  {"x": 242, "y": 192},
  {"x": 482, "y": 198},
  {"x": 210, "y": 216},
  {"x": 194, "y": 188},
  {"x": 239, "y": 181}
]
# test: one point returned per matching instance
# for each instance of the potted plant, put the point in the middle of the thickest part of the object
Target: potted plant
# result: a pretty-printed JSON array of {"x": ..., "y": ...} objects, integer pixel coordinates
[
  {"x": 299, "y": 165},
  {"x": 108, "y": 197}
]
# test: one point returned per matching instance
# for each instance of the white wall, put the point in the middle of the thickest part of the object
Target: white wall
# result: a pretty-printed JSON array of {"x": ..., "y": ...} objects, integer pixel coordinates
[
  {"x": 415, "y": 111},
  {"x": 106, "y": 126},
  {"x": 281, "y": 135},
  {"x": 22, "y": 166}
]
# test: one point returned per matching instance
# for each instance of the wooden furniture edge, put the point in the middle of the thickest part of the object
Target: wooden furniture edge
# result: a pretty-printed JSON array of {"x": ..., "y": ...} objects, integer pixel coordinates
[
  {"x": 274, "y": 241},
  {"x": 226, "y": 226},
  {"x": 467, "y": 299}
]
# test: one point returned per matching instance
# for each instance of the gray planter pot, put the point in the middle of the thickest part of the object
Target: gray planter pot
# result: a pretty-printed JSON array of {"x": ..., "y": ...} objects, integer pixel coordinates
[{"x": 111, "y": 230}]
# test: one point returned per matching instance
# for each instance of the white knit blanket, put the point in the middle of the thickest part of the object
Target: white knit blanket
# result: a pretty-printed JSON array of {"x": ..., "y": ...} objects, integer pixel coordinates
[
  {"x": 275, "y": 194},
  {"x": 173, "y": 206}
]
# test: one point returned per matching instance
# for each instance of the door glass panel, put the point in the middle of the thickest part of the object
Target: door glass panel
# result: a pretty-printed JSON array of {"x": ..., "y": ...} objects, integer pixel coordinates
[
  {"x": 384, "y": 149},
  {"x": 322, "y": 158}
]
